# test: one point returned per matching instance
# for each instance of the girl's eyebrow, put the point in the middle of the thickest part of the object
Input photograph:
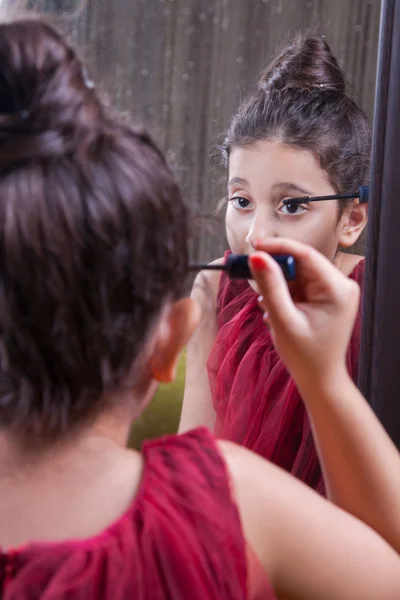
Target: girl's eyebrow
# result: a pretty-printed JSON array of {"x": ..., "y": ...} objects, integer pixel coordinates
[
  {"x": 283, "y": 184},
  {"x": 292, "y": 186},
  {"x": 239, "y": 181}
]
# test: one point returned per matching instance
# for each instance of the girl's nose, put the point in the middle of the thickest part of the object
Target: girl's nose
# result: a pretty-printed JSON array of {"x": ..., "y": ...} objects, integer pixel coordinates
[{"x": 258, "y": 231}]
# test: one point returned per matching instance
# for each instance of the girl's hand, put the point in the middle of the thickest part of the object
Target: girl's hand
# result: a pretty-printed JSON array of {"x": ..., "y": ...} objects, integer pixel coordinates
[{"x": 311, "y": 321}]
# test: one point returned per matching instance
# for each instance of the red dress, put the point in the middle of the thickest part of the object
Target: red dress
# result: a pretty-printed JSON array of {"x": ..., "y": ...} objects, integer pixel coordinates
[
  {"x": 254, "y": 396},
  {"x": 180, "y": 539}
]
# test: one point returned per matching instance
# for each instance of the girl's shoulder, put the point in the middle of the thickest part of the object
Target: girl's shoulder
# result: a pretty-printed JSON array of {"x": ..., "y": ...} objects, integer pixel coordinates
[
  {"x": 184, "y": 512},
  {"x": 351, "y": 265},
  {"x": 358, "y": 267}
]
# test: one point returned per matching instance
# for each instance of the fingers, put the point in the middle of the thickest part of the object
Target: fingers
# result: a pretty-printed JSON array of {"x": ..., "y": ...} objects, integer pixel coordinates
[
  {"x": 310, "y": 264},
  {"x": 351, "y": 297},
  {"x": 273, "y": 288},
  {"x": 312, "y": 267}
]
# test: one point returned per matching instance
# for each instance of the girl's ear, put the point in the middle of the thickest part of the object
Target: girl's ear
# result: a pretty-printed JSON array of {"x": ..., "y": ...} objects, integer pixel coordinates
[{"x": 352, "y": 224}]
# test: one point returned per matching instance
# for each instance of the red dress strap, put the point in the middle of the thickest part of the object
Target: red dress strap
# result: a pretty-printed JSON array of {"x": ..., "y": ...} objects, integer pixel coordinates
[{"x": 203, "y": 524}]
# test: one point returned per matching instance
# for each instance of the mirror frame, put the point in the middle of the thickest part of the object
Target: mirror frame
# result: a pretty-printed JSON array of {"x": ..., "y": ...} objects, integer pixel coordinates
[{"x": 380, "y": 354}]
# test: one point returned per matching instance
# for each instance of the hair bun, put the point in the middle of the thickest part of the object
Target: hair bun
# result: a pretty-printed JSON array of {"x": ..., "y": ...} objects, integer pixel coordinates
[
  {"x": 46, "y": 103},
  {"x": 306, "y": 63}
]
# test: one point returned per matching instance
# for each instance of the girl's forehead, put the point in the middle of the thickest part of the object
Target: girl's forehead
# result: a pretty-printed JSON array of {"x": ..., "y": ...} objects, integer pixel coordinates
[{"x": 272, "y": 163}]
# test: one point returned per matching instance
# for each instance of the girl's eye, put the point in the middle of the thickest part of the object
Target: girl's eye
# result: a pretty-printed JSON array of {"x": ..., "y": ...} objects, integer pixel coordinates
[
  {"x": 241, "y": 203},
  {"x": 292, "y": 209}
]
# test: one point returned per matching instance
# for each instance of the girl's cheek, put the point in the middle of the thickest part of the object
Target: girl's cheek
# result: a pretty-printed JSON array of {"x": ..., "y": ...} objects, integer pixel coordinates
[
  {"x": 237, "y": 229},
  {"x": 237, "y": 239}
]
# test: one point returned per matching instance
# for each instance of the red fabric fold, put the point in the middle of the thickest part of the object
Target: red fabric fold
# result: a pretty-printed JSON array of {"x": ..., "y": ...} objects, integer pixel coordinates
[
  {"x": 181, "y": 539},
  {"x": 255, "y": 398}
]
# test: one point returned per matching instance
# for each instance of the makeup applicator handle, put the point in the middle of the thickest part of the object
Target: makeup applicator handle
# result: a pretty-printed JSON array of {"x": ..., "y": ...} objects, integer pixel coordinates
[{"x": 237, "y": 266}]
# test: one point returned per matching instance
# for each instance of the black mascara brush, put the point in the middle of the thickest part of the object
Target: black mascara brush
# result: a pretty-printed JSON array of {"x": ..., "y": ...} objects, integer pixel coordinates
[
  {"x": 362, "y": 195},
  {"x": 237, "y": 266}
]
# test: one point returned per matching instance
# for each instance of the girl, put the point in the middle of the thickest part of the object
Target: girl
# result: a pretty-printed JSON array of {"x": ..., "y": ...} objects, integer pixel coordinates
[
  {"x": 297, "y": 135},
  {"x": 93, "y": 253}
]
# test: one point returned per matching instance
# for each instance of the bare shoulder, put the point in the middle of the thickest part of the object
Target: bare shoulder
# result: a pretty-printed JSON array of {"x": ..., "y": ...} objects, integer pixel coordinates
[
  {"x": 244, "y": 466},
  {"x": 250, "y": 476},
  {"x": 308, "y": 547}
]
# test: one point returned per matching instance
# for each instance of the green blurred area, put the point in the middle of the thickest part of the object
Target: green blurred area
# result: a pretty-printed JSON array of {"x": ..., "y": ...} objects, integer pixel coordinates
[{"x": 161, "y": 417}]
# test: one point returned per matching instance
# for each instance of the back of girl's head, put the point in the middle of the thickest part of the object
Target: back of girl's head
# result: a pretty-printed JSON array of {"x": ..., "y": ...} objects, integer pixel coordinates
[
  {"x": 93, "y": 239},
  {"x": 301, "y": 101}
]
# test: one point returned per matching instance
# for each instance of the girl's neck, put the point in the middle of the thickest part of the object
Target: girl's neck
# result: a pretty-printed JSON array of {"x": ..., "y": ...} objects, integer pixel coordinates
[
  {"x": 73, "y": 492},
  {"x": 347, "y": 262}
]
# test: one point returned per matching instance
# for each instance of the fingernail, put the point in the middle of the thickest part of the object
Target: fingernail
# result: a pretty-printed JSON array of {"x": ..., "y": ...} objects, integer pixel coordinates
[
  {"x": 257, "y": 262},
  {"x": 260, "y": 299}
]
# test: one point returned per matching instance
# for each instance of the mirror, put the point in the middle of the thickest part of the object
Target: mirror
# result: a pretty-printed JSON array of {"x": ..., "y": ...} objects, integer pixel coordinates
[
  {"x": 183, "y": 66},
  {"x": 380, "y": 358}
]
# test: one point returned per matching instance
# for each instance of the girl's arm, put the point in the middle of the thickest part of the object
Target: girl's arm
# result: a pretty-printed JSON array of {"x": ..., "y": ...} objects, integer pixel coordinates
[
  {"x": 311, "y": 327},
  {"x": 197, "y": 406},
  {"x": 309, "y": 548},
  {"x": 361, "y": 466}
]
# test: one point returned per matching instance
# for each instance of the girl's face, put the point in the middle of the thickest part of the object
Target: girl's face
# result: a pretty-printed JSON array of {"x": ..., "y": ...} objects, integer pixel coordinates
[{"x": 264, "y": 174}]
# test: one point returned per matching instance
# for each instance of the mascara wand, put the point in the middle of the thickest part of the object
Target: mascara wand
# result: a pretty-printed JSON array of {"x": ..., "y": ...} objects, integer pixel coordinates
[
  {"x": 237, "y": 266},
  {"x": 362, "y": 195}
]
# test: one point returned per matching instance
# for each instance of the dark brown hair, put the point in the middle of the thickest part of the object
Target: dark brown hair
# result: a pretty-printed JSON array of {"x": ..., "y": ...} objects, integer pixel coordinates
[
  {"x": 301, "y": 100},
  {"x": 93, "y": 239}
]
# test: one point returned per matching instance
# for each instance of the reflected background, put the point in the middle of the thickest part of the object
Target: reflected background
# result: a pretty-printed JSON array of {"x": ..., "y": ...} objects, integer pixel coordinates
[{"x": 182, "y": 67}]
